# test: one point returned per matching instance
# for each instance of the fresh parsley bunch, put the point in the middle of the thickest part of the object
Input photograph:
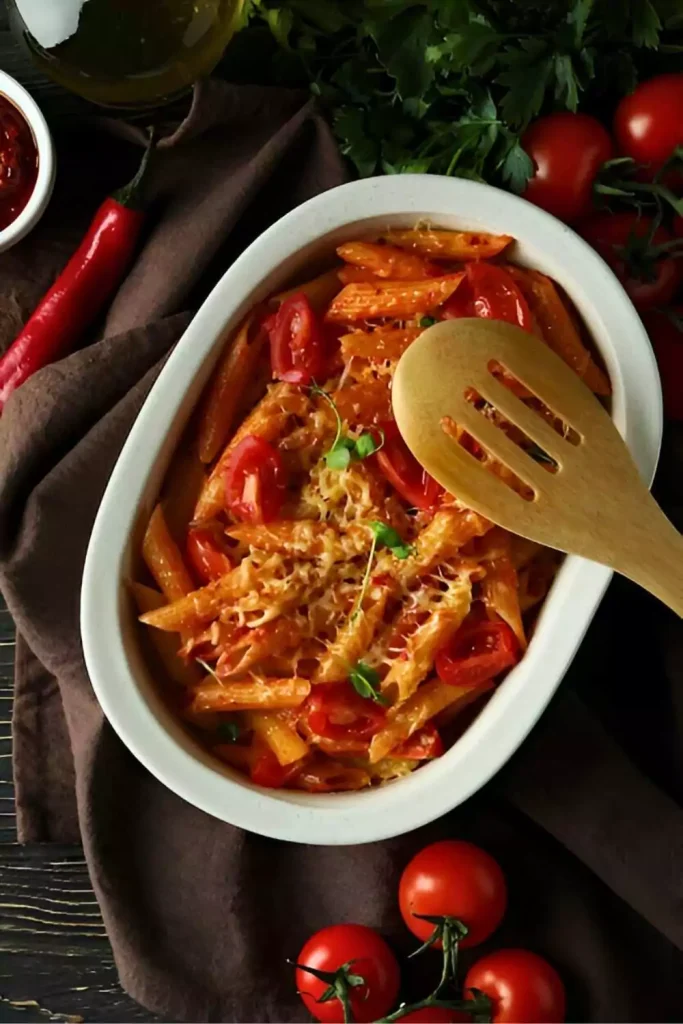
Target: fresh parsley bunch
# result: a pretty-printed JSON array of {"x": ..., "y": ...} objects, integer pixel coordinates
[{"x": 448, "y": 86}]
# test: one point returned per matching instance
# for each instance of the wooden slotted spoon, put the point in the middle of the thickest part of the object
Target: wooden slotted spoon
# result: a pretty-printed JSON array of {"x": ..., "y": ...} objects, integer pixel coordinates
[{"x": 595, "y": 503}]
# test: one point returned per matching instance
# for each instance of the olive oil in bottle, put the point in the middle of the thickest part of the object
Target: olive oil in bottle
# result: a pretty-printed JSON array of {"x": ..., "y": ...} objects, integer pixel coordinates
[{"x": 127, "y": 52}]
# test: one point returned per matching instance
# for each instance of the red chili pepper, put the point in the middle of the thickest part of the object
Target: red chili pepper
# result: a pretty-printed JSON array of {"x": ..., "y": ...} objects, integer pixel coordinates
[
  {"x": 255, "y": 481},
  {"x": 336, "y": 712},
  {"x": 82, "y": 290},
  {"x": 205, "y": 555},
  {"x": 297, "y": 341},
  {"x": 404, "y": 472},
  {"x": 477, "y": 653}
]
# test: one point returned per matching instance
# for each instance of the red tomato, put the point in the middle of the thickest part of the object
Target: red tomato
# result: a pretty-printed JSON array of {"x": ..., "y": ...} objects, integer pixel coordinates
[
  {"x": 205, "y": 555},
  {"x": 436, "y": 1015},
  {"x": 255, "y": 481},
  {"x": 266, "y": 770},
  {"x": 423, "y": 745},
  {"x": 336, "y": 712},
  {"x": 369, "y": 957},
  {"x": 489, "y": 292},
  {"x": 629, "y": 244},
  {"x": 667, "y": 341},
  {"x": 404, "y": 472},
  {"x": 454, "y": 879},
  {"x": 477, "y": 653},
  {"x": 297, "y": 341},
  {"x": 568, "y": 150},
  {"x": 648, "y": 124},
  {"x": 523, "y": 988}
]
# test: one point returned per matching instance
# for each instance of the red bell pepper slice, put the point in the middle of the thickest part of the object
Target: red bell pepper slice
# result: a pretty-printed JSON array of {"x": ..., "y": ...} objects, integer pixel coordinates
[
  {"x": 255, "y": 481},
  {"x": 423, "y": 745},
  {"x": 336, "y": 712},
  {"x": 404, "y": 472},
  {"x": 477, "y": 653},
  {"x": 297, "y": 341},
  {"x": 207, "y": 559},
  {"x": 489, "y": 292}
]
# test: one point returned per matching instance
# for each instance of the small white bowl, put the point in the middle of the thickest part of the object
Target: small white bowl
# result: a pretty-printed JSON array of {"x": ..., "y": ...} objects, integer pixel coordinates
[
  {"x": 40, "y": 197},
  {"x": 122, "y": 679}
]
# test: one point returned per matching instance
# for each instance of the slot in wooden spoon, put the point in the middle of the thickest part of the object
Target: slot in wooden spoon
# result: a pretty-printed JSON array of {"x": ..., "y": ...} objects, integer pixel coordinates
[{"x": 593, "y": 503}]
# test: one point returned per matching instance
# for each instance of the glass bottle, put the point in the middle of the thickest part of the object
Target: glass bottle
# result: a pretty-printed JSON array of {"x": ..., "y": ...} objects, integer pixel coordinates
[{"x": 127, "y": 52}]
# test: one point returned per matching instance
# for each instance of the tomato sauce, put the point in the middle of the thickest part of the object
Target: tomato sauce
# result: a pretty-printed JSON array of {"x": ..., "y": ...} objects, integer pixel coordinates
[{"x": 18, "y": 162}]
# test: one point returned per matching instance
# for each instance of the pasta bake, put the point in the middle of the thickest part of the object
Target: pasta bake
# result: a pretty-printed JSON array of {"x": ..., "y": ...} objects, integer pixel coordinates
[{"x": 322, "y": 614}]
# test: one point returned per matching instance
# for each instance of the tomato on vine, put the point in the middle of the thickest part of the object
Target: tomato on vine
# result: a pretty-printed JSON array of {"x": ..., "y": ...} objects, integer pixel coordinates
[
  {"x": 568, "y": 151},
  {"x": 642, "y": 254},
  {"x": 347, "y": 972},
  {"x": 648, "y": 124},
  {"x": 457, "y": 881},
  {"x": 522, "y": 986}
]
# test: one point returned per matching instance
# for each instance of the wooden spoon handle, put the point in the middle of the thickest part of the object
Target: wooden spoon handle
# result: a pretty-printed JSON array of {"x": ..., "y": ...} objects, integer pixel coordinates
[{"x": 658, "y": 565}]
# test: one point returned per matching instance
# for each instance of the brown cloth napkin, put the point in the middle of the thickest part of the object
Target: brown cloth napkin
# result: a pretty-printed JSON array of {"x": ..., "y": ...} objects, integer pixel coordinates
[{"x": 586, "y": 820}]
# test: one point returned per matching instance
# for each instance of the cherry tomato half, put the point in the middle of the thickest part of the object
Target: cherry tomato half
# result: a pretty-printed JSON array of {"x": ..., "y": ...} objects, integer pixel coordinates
[
  {"x": 477, "y": 653},
  {"x": 266, "y": 770},
  {"x": 521, "y": 985},
  {"x": 648, "y": 124},
  {"x": 455, "y": 879},
  {"x": 209, "y": 562},
  {"x": 436, "y": 1015},
  {"x": 255, "y": 481},
  {"x": 667, "y": 341},
  {"x": 369, "y": 956},
  {"x": 423, "y": 745},
  {"x": 489, "y": 292},
  {"x": 336, "y": 712},
  {"x": 297, "y": 341},
  {"x": 404, "y": 472},
  {"x": 629, "y": 244},
  {"x": 568, "y": 150}
]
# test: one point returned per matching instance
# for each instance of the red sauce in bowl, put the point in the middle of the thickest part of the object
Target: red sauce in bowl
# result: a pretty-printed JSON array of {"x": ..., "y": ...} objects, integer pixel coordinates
[{"x": 18, "y": 162}]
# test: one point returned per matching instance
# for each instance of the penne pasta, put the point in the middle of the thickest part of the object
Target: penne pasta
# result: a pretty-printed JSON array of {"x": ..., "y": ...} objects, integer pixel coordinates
[
  {"x": 304, "y": 538},
  {"x": 417, "y": 656},
  {"x": 384, "y": 343},
  {"x": 428, "y": 700},
  {"x": 233, "y": 373},
  {"x": 274, "y": 729},
  {"x": 387, "y": 261},
  {"x": 166, "y": 645},
  {"x": 557, "y": 329},
  {"x": 354, "y": 636},
  {"x": 500, "y": 586},
  {"x": 365, "y": 301},
  {"x": 319, "y": 291},
  {"x": 449, "y": 245},
  {"x": 163, "y": 558},
  {"x": 250, "y": 695}
]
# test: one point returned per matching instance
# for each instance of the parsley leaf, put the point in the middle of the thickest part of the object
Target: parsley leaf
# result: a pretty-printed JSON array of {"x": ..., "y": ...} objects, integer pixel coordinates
[
  {"x": 516, "y": 166},
  {"x": 526, "y": 78},
  {"x": 427, "y": 321},
  {"x": 388, "y": 536},
  {"x": 346, "y": 449},
  {"x": 365, "y": 681},
  {"x": 646, "y": 24},
  {"x": 401, "y": 43}
]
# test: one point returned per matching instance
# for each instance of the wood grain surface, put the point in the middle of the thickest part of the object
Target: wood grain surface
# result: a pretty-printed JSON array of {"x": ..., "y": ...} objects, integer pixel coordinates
[{"x": 55, "y": 959}]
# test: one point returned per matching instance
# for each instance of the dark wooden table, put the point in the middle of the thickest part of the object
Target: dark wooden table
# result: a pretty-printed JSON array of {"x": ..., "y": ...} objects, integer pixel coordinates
[{"x": 55, "y": 958}]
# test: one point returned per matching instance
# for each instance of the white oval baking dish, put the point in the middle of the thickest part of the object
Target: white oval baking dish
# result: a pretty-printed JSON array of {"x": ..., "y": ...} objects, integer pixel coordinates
[{"x": 121, "y": 678}]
